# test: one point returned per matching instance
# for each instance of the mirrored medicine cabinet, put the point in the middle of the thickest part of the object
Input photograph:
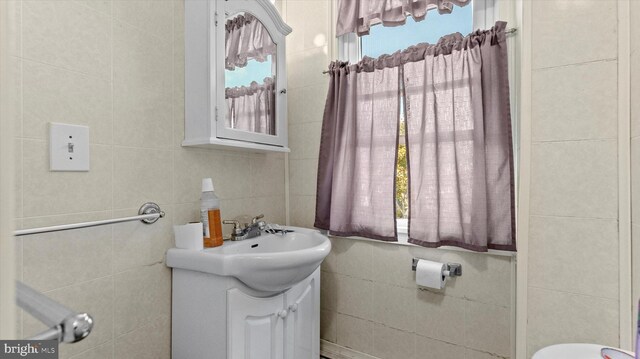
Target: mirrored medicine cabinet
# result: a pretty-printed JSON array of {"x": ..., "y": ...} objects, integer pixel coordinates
[{"x": 235, "y": 75}]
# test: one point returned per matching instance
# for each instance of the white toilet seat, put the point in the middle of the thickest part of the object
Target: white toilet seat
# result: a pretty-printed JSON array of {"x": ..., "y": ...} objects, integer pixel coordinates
[{"x": 571, "y": 351}]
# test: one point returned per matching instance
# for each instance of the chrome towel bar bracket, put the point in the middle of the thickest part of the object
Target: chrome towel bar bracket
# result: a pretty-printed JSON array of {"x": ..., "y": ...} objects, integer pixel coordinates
[
  {"x": 148, "y": 213},
  {"x": 66, "y": 326},
  {"x": 453, "y": 269},
  {"x": 150, "y": 208}
]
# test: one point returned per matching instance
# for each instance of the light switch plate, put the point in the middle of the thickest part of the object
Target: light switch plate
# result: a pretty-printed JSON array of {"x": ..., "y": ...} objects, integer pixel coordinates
[{"x": 68, "y": 147}]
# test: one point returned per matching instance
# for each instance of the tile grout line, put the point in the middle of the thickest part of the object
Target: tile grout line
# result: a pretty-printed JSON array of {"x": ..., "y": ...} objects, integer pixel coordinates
[
  {"x": 611, "y": 139},
  {"x": 173, "y": 101},
  {"x": 612, "y": 59},
  {"x": 573, "y": 293},
  {"x": 113, "y": 161},
  {"x": 62, "y": 68},
  {"x": 141, "y": 29},
  {"x": 21, "y": 153},
  {"x": 573, "y": 217},
  {"x": 416, "y": 334}
]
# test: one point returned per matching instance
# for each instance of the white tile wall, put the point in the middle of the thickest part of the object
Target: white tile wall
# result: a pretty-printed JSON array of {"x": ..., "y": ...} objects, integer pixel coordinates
[
  {"x": 394, "y": 307},
  {"x": 52, "y": 94},
  {"x": 64, "y": 34},
  {"x": 389, "y": 343},
  {"x": 635, "y": 174},
  {"x": 569, "y": 32},
  {"x": 635, "y": 68},
  {"x": 556, "y": 99},
  {"x": 574, "y": 175},
  {"x": 562, "y": 317},
  {"x": 557, "y": 263},
  {"x": 116, "y": 66},
  {"x": 574, "y": 179},
  {"x": 50, "y": 193},
  {"x": 355, "y": 297},
  {"x": 310, "y": 19},
  {"x": 433, "y": 310},
  {"x": 635, "y": 147},
  {"x": 355, "y": 333},
  {"x": 370, "y": 286}
]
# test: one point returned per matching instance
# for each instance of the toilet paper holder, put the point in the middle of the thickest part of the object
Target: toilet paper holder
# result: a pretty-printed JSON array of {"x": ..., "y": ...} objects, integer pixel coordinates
[{"x": 453, "y": 269}]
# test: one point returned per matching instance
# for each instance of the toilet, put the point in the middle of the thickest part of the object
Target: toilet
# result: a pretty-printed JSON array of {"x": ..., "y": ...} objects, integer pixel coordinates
[{"x": 572, "y": 351}]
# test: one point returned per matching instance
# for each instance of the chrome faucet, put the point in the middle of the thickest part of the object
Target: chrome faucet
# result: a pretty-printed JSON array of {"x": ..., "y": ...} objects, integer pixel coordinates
[{"x": 252, "y": 230}]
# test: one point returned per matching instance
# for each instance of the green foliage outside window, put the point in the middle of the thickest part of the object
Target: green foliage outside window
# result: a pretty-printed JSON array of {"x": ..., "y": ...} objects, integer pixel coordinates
[{"x": 402, "y": 178}]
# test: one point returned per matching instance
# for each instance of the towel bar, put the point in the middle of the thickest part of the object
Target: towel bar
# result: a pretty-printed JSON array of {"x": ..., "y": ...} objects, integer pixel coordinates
[{"x": 148, "y": 213}]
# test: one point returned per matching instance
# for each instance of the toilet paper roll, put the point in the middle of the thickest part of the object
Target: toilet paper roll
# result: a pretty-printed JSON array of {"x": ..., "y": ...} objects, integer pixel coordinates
[
  {"x": 188, "y": 236},
  {"x": 431, "y": 274}
]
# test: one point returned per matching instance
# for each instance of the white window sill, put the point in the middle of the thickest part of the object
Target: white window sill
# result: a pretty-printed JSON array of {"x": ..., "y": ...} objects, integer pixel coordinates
[{"x": 403, "y": 240}]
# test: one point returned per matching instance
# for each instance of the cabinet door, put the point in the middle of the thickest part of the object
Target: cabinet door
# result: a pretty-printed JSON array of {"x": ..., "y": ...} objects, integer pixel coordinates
[
  {"x": 252, "y": 105},
  {"x": 302, "y": 326},
  {"x": 255, "y": 326}
]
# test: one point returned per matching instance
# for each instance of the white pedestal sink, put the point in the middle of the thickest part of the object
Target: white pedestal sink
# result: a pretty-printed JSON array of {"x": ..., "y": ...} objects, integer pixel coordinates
[
  {"x": 271, "y": 262},
  {"x": 257, "y": 298}
]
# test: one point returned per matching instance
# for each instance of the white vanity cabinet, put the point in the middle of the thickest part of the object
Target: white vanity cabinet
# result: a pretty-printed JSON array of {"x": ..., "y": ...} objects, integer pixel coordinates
[
  {"x": 235, "y": 75},
  {"x": 284, "y": 326},
  {"x": 218, "y": 317},
  {"x": 255, "y": 326},
  {"x": 303, "y": 319}
]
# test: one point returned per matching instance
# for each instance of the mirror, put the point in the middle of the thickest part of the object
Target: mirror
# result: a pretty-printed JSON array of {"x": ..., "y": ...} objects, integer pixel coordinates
[{"x": 250, "y": 75}]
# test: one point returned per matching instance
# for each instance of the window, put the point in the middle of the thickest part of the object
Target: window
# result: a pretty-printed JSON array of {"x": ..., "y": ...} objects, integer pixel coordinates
[
  {"x": 387, "y": 40},
  {"x": 254, "y": 71},
  {"x": 381, "y": 40}
]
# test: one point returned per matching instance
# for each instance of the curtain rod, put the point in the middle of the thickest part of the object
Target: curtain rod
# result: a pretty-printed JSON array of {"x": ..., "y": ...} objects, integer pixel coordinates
[{"x": 509, "y": 31}]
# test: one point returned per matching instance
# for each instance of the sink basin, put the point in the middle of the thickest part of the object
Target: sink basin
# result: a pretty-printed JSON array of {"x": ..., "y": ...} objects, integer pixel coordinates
[{"x": 270, "y": 262}]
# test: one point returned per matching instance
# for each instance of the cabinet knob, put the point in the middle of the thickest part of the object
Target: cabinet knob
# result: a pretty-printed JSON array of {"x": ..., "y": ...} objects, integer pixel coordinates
[
  {"x": 282, "y": 314},
  {"x": 293, "y": 307}
]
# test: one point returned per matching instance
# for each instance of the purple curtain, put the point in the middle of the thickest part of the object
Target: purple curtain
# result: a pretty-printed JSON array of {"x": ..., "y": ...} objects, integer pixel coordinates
[
  {"x": 246, "y": 38},
  {"x": 459, "y": 148},
  {"x": 252, "y": 108},
  {"x": 358, "y": 152},
  {"x": 359, "y": 15},
  {"x": 459, "y": 143}
]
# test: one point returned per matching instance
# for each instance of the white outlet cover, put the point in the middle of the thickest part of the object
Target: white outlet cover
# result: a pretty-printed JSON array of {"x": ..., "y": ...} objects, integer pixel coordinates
[{"x": 68, "y": 147}]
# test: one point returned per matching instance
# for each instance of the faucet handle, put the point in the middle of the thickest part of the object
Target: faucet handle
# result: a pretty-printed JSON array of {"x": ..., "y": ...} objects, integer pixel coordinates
[
  {"x": 236, "y": 226},
  {"x": 257, "y": 218}
]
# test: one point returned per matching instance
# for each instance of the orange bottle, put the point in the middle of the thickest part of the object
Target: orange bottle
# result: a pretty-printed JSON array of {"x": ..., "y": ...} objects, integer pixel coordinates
[{"x": 210, "y": 215}]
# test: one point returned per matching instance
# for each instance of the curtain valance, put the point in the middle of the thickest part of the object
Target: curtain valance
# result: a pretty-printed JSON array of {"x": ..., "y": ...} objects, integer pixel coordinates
[
  {"x": 268, "y": 84},
  {"x": 358, "y": 16},
  {"x": 246, "y": 38}
]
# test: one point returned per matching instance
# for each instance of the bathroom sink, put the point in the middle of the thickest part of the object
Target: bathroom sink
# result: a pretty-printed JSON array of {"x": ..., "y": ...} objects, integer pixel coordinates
[{"x": 270, "y": 262}]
